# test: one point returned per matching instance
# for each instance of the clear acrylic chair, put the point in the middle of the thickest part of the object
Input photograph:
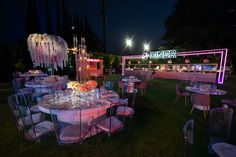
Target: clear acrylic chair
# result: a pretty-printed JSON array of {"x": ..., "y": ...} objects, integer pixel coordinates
[
  {"x": 109, "y": 124},
  {"x": 12, "y": 102},
  {"x": 188, "y": 131},
  {"x": 19, "y": 117},
  {"x": 220, "y": 125},
  {"x": 127, "y": 110},
  {"x": 27, "y": 99},
  {"x": 109, "y": 85},
  {"x": 229, "y": 102},
  {"x": 200, "y": 102},
  {"x": 18, "y": 85},
  {"x": 121, "y": 86},
  {"x": 124, "y": 111},
  {"x": 33, "y": 126},
  {"x": 69, "y": 127}
]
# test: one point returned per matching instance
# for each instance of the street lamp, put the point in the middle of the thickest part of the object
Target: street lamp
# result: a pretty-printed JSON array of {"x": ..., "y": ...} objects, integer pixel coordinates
[
  {"x": 129, "y": 42},
  {"x": 146, "y": 47}
]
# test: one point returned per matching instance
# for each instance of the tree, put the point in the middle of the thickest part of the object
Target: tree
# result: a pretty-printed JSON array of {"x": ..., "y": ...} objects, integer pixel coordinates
[
  {"x": 58, "y": 17},
  {"x": 202, "y": 24},
  {"x": 48, "y": 19},
  {"x": 32, "y": 22}
]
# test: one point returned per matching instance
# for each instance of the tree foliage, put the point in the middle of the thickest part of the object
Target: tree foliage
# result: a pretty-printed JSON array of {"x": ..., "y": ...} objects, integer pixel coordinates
[
  {"x": 202, "y": 24},
  {"x": 32, "y": 21}
]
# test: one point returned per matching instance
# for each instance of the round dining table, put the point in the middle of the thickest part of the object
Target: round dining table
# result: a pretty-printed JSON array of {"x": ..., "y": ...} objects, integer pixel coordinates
[
  {"x": 224, "y": 149},
  {"x": 40, "y": 88},
  {"x": 66, "y": 101},
  {"x": 134, "y": 80},
  {"x": 46, "y": 87},
  {"x": 88, "y": 108},
  {"x": 33, "y": 75},
  {"x": 208, "y": 92}
]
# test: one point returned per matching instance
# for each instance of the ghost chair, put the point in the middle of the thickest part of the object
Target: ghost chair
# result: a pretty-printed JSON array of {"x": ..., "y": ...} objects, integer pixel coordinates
[
  {"x": 109, "y": 124},
  {"x": 220, "y": 126},
  {"x": 69, "y": 127},
  {"x": 31, "y": 125},
  {"x": 188, "y": 131},
  {"x": 109, "y": 85}
]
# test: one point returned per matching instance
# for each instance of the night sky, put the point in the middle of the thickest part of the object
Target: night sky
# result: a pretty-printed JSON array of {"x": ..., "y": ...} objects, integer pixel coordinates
[{"x": 141, "y": 19}]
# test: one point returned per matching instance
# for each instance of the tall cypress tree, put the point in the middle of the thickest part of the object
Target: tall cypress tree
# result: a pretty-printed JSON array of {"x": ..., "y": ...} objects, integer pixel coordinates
[
  {"x": 58, "y": 17},
  {"x": 32, "y": 21},
  {"x": 66, "y": 27},
  {"x": 48, "y": 19}
]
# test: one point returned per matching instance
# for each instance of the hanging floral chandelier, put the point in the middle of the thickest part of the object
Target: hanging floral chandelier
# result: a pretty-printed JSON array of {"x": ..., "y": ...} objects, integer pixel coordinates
[{"x": 48, "y": 50}]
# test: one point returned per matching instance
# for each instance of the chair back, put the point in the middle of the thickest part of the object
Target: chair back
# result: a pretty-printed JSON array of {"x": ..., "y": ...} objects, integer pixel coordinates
[
  {"x": 109, "y": 85},
  {"x": 188, "y": 137},
  {"x": 12, "y": 102},
  {"x": 220, "y": 123},
  {"x": 16, "y": 74},
  {"x": 121, "y": 84},
  {"x": 20, "y": 108},
  {"x": 131, "y": 97},
  {"x": 178, "y": 90},
  {"x": 22, "y": 115},
  {"x": 142, "y": 85},
  {"x": 25, "y": 99},
  {"x": 200, "y": 99},
  {"x": 17, "y": 84}
]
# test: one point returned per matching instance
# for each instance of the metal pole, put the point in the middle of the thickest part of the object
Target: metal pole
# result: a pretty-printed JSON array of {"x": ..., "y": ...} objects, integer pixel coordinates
[{"x": 104, "y": 24}]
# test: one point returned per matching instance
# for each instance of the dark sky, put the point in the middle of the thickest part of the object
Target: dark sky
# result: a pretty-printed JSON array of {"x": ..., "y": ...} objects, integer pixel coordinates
[{"x": 141, "y": 19}]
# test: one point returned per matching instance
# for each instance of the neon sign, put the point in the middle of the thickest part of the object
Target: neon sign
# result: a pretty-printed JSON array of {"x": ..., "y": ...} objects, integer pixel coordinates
[{"x": 160, "y": 54}]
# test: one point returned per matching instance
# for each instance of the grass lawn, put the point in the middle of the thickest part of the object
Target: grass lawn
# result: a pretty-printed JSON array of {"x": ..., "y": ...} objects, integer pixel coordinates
[{"x": 155, "y": 131}]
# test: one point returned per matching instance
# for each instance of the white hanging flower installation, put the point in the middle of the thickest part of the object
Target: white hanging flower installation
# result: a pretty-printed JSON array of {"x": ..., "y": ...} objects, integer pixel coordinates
[{"x": 48, "y": 50}]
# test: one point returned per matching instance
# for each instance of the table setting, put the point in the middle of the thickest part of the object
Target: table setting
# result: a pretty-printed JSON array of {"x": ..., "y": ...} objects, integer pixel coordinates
[
  {"x": 78, "y": 96},
  {"x": 85, "y": 98},
  {"x": 131, "y": 79},
  {"x": 33, "y": 73},
  {"x": 69, "y": 99},
  {"x": 47, "y": 84},
  {"x": 203, "y": 88}
]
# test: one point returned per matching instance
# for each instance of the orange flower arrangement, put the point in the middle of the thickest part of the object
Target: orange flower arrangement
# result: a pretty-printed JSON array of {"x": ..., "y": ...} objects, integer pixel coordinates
[
  {"x": 92, "y": 83},
  {"x": 85, "y": 87}
]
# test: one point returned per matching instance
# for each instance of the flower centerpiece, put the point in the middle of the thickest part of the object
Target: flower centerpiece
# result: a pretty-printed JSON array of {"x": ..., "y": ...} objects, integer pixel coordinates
[
  {"x": 82, "y": 87},
  {"x": 205, "y": 88}
]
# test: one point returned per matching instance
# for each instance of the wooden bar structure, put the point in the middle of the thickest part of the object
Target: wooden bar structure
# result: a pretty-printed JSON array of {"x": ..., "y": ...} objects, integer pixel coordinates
[
  {"x": 184, "y": 71},
  {"x": 95, "y": 68}
]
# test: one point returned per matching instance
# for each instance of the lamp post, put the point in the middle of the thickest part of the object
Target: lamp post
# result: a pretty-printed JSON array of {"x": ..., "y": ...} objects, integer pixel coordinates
[
  {"x": 129, "y": 44},
  {"x": 146, "y": 47}
]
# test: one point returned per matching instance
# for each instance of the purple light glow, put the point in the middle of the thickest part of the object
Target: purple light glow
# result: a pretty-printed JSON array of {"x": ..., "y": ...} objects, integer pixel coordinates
[
  {"x": 221, "y": 59},
  {"x": 226, "y": 53}
]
